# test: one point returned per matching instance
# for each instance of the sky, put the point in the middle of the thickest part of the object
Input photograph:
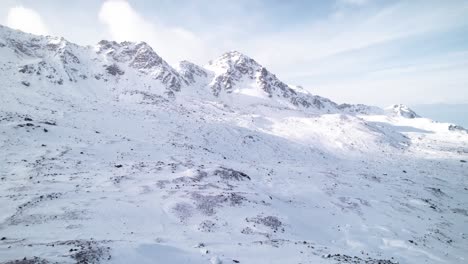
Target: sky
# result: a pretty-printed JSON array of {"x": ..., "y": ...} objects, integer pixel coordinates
[
  {"x": 377, "y": 52},
  {"x": 451, "y": 113}
]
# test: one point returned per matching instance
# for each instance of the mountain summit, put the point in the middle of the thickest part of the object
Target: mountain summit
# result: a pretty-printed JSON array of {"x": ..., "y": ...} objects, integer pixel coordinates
[{"x": 402, "y": 110}]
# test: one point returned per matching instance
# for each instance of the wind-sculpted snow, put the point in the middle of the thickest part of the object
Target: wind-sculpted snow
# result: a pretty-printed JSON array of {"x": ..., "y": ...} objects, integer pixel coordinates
[{"x": 113, "y": 168}]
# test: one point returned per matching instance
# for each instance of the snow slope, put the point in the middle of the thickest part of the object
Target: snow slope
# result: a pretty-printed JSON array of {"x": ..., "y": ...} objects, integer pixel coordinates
[{"x": 111, "y": 155}]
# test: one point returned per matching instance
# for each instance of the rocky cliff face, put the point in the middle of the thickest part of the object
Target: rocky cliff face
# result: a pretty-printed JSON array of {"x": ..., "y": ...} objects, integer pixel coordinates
[
  {"x": 234, "y": 71},
  {"x": 192, "y": 72},
  {"x": 142, "y": 58}
]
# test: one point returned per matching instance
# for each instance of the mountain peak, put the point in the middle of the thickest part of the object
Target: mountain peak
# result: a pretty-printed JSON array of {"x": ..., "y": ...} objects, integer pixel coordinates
[
  {"x": 402, "y": 110},
  {"x": 142, "y": 57},
  {"x": 236, "y": 73},
  {"x": 234, "y": 54},
  {"x": 139, "y": 55},
  {"x": 232, "y": 59},
  {"x": 191, "y": 71},
  {"x": 126, "y": 48}
]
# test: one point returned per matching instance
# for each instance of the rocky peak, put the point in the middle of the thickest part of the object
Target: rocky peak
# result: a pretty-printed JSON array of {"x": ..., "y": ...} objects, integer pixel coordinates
[
  {"x": 457, "y": 128},
  {"x": 47, "y": 57},
  {"x": 402, "y": 110},
  {"x": 145, "y": 60},
  {"x": 64, "y": 50},
  {"x": 139, "y": 55},
  {"x": 24, "y": 44},
  {"x": 235, "y": 63},
  {"x": 191, "y": 72},
  {"x": 234, "y": 57},
  {"x": 234, "y": 69}
]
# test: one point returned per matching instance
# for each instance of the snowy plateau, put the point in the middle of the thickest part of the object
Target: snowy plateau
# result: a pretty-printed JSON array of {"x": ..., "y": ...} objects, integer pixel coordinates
[{"x": 111, "y": 155}]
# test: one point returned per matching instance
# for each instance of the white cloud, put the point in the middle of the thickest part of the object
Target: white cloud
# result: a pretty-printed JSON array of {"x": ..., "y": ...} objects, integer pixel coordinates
[
  {"x": 355, "y": 31},
  {"x": 126, "y": 24},
  {"x": 26, "y": 19}
]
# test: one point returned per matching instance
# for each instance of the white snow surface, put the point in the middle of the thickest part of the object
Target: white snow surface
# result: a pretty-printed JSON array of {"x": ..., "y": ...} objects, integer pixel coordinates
[{"x": 111, "y": 155}]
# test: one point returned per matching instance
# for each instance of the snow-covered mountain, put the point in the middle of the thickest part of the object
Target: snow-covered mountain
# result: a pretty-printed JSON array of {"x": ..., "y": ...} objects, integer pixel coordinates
[
  {"x": 402, "y": 110},
  {"x": 236, "y": 74},
  {"x": 111, "y": 155}
]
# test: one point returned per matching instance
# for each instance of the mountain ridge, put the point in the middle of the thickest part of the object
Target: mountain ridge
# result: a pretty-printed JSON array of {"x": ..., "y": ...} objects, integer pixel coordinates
[{"x": 230, "y": 69}]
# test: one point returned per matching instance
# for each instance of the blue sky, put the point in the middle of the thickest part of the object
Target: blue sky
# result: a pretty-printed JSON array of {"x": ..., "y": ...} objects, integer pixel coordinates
[{"x": 356, "y": 51}]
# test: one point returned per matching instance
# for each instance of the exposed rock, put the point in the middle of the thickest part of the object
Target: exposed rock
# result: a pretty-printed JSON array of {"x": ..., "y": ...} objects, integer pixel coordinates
[
  {"x": 114, "y": 70},
  {"x": 402, "y": 110}
]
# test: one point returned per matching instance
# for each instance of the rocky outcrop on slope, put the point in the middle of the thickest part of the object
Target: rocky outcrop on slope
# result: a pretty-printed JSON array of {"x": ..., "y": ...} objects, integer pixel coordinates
[
  {"x": 192, "y": 72},
  {"x": 402, "y": 110}
]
